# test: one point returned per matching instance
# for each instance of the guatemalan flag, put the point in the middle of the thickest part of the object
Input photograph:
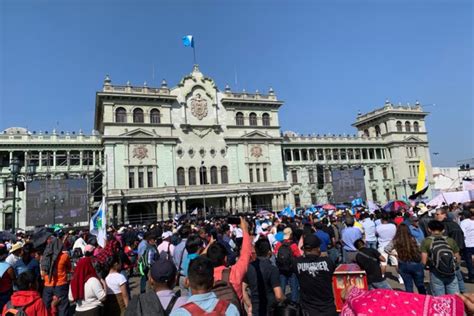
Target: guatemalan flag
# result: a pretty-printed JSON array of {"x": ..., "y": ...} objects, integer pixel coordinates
[
  {"x": 98, "y": 223},
  {"x": 188, "y": 41}
]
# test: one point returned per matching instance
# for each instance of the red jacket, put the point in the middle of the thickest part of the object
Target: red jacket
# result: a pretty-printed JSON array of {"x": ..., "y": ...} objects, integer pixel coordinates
[{"x": 30, "y": 301}]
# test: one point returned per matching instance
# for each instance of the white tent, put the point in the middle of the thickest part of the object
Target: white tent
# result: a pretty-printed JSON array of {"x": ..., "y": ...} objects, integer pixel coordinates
[{"x": 451, "y": 197}]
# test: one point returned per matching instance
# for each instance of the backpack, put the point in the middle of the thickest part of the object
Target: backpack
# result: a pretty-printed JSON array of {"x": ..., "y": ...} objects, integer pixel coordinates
[
  {"x": 286, "y": 308},
  {"x": 225, "y": 291},
  {"x": 442, "y": 256},
  {"x": 284, "y": 258},
  {"x": 14, "y": 311},
  {"x": 195, "y": 310},
  {"x": 149, "y": 304},
  {"x": 143, "y": 264}
]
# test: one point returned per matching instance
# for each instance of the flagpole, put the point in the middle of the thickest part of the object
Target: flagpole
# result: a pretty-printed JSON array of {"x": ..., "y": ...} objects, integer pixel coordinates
[{"x": 194, "y": 52}]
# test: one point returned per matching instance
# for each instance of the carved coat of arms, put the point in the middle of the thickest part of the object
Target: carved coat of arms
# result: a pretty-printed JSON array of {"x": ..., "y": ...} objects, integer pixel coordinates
[
  {"x": 256, "y": 151},
  {"x": 140, "y": 152},
  {"x": 199, "y": 106}
]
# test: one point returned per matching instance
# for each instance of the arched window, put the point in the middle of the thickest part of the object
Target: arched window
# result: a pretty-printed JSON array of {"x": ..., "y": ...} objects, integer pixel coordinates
[
  {"x": 399, "y": 126},
  {"x": 224, "y": 176},
  {"x": 416, "y": 127},
  {"x": 407, "y": 126},
  {"x": 203, "y": 175},
  {"x": 377, "y": 131},
  {"x": 155, "y": 116},
  {"x": 214, "y": 175},
  {"x": 180, "y": 175},
  {"x": 266, "y": 119},
  {"x": 253, "y": 119},
  {"x": 366, "y": 133},
  {"x": 120, "y": 115},
  {"x": 138, "y": 116},
  {"x": 239, "y": 119},
  {"x": 192, "y": 176}
]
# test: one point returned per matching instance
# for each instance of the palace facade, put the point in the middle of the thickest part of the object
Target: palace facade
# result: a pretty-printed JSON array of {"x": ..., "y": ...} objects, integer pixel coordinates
[{"x": 165, "y": 150}]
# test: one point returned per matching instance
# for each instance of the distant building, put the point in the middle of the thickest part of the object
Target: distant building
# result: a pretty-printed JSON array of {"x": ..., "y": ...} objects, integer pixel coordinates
[
  {"x": 450, "y": 178},
  {"x": 170, "y": 150}
]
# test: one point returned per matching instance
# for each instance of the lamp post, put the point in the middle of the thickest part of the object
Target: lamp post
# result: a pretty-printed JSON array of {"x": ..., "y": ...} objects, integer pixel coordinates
[
  {"x": 53, "y": 200},
  {"x": 404, "y": 182},
  {"x": 203, "y": 189},
  {"x": 15, "y": 170}
]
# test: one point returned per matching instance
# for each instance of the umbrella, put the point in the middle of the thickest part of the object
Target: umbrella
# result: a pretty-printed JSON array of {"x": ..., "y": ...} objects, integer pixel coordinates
[
  {"x": 40, "y": 236},
  {"x": 328, "y": 206},
  {"x": 6, "y": 235},
  {"x": 341, "y": 206},
  {"x": 395, "y": 205}
]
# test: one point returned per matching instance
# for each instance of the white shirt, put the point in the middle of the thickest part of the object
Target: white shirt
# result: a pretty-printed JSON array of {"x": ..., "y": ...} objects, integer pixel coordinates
[
  {"x": 385, "y": 232},
  {"x": 163, "y": 247},
  {"x": 467, "y": 226},
  {"x": 114, "y": 281},
  {"x": 13, "y": 260},
  {"x": 369, "y": 229},
  {"x": 93, "y": 294}
]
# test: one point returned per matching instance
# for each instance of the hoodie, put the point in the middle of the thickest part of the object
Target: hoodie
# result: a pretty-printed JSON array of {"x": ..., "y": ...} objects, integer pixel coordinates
[{"x": 31, "y": 303}]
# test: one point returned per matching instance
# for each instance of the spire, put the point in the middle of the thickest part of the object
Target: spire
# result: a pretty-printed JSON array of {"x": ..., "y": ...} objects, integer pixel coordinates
[
  {"x": 227, "y": 88},
  {"x": 164, "y": 84},
  {"x": 107, "y": 80}
]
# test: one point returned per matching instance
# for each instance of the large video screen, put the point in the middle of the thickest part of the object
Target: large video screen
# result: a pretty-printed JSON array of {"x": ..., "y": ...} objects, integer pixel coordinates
[
  {"x": 65, "y": 201},
  {"x": 348, "y": 184}
]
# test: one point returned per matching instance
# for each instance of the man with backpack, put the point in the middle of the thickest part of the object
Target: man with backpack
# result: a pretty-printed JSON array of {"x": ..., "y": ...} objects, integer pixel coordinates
[
  {"x": 441, "y": 254},
  {"x": 146, "y": 259},
  {"x": 203, "y": 301},
  {"x": 286, "y": 252},
  {"x": 162, "y": 300}
]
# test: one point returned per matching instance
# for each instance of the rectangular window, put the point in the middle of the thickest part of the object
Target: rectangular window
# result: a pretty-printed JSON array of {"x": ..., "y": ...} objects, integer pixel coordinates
[
  {"x": 297, "y": 200},
  {"x": 408, "y": 152},
  {"x": 374, "y": 195},
  {"x": 251, "y": 175},
  {"x": 350, "y": 153},
  {"x": 364, "y": 154},
  {"x": 327, "y": 153},
  {"x": 335, "y": 154},
  {"x": 357, "y": 154},
  {"x": 371, "y": 173},
  {"x": 371, "y": 153},
  {"x": 378, "y": 153},
  {"x": 320, "y": 154},
  {"x": 131, "y": 179},
  {"x": 313, "y": 198},
  {"x": 140, "y": 179},
  {"x": 387, "y": 194},
  {"x": 8, "y": 189},
  {"x": 312, "y": 155},
  {"x": 415, "y": 152},
  {"x": 311, "y": 175},
  {"x": 384, "y": 172},
  {"x": 294, "y": 176},
  {"x": 258, "y": 174},
  {"x": 343, "y": 154},
  {"x": 150, "y": 179},
  {"x": 265, "y": 179}
]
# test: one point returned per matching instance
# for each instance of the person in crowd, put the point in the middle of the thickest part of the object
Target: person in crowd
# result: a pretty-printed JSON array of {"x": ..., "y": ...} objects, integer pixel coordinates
[
  {"x": 409, "y": 259},
  {"x": 117, "y": 290},
  {"x": 166, "y": 248},
  {"x": 440, "y": 253},
  {"x": 385, "y": 233},
  {"x": 27, "y": 298},
  {"x": 314, "y": 274},
  {"x": 467, "y": 226},
  {"x": 424, "y": 216},
  {"x": 7, "y": 276},
  {"x": 55, "y": 267},
  {"x": 323, "y": 237},
  {"x": 201, "y": 280},
  {"x": 263, "y": 280},
  {"x": 87, "y": 290},
  {"x": 14, "y": 258},
  {"x": 348, "y": 236},
  {"x": 369, "y": 259},
  {"x": 161, "y": 300},
  {"x": 286, "y": 251},
  {"x": 193, "y": 249},
  {"x": 388, "y": 303},
  {"x": 146, "y": 259},
  {"x": 369, "y": 230},
  {"x": 454, "y": 231},
  {"x": 334, "y": 245},
  {"x": 415, "y": 229},
  {"x": 179, "y": 254}
]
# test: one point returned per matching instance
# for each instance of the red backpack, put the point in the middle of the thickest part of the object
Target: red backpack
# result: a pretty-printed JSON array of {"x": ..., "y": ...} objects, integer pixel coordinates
[{"x": 195, "y": 310}]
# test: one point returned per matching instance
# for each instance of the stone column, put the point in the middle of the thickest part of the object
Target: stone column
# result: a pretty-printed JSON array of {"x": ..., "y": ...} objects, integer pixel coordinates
[
  {"x": 250, "y": 203},
  {"x": 54, "y": 159},
  {"x": 125, "y": 215},
  {"x": 81, "y": 155},
  {"x": 239, "y": 203},
  {"x": 246, "y": 203},
  {"x": 227, "y": 203},
  {"x": 165, "y": 213},
  {"x": 40, "y": 157},
  {"x": 173, "y": 208},
  {"x": 119, "y": 214},
  {"x": 274, "y": 202},
  {"x": 93, "y": 158},
  {"x": 184, "y": 209},
  {"x": 158, "y": 210}
]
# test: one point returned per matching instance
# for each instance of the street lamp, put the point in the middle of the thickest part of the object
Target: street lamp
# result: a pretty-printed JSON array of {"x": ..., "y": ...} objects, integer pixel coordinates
[
  {"x": 53, "y": 200},
  {"x": 15, "y": 170},
  {"x": 404, "y": 183},
  {"x": 203, "y": 187}
]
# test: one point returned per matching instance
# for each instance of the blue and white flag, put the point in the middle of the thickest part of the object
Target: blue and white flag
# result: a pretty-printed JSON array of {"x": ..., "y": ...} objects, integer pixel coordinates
[
  {"x": 98, "y": 224},
  {"x": 288, "y": 212},
  {"x": 188, "y": 41}
]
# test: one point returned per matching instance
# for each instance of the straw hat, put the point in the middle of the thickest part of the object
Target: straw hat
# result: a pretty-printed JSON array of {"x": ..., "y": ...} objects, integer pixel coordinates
[{"x": 17, "y": 246}]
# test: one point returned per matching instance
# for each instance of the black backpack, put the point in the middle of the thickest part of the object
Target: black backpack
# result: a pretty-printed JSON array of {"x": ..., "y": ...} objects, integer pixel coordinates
[
  {"x": 442, "y": 256},
  {"x": 225, "y": 291},
  {"x": 14, "y": 311},
  {"x": 284, "y": 258}
]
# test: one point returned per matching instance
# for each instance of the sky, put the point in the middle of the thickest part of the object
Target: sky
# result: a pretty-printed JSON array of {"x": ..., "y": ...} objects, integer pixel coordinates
[{"x": 326, "y": 59}]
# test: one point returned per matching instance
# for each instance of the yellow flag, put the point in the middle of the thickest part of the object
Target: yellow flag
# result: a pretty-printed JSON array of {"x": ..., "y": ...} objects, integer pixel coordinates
[{"x": 422, "y": 184}]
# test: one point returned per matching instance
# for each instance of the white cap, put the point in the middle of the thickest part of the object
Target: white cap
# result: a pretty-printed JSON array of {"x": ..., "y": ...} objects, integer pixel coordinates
[
  {"x": 264, "y": 226},
  {"x": 166, "y": 234}
]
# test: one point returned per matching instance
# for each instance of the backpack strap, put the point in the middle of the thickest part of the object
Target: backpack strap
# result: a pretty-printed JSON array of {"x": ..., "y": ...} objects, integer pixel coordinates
[
  {"x": 225, "y": 275},
  {"x": 221, "y": 307},
  {"x": 193, "y": 309},
  {"x": 170, "y": 306}
]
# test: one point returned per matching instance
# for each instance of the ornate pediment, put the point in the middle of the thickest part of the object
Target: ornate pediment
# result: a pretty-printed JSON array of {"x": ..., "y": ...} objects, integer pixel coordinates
[
  {"x": 139, "y": 133},
  {"x": 412, "y": 139},
  {"x": 255, "y": 135}
]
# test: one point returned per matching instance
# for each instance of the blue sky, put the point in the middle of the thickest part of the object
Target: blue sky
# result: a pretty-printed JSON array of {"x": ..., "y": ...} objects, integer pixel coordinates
[{"x": 325, "y": 59}]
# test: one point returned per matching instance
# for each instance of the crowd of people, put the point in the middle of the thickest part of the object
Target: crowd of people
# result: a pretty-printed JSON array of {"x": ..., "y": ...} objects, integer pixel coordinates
[{"x": 258, "y": 264}]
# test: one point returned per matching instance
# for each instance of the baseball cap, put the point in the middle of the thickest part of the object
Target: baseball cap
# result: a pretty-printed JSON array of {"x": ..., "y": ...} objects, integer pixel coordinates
[
  {"x": 311, "y": 242},
  {"x": 163, "y": 270}
]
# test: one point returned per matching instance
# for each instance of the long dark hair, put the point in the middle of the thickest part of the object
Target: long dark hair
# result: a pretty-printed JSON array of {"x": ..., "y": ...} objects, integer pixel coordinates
[{"x": 405, "y": 245}]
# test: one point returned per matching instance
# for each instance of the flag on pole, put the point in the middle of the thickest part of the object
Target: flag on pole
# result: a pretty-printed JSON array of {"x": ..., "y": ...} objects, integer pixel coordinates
[
  {"x": 188, "y": 41},
  {"x": 195, "y": 212},
  {"x": 422, "y": 183},
  {"x": 98, "y": 224}
]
